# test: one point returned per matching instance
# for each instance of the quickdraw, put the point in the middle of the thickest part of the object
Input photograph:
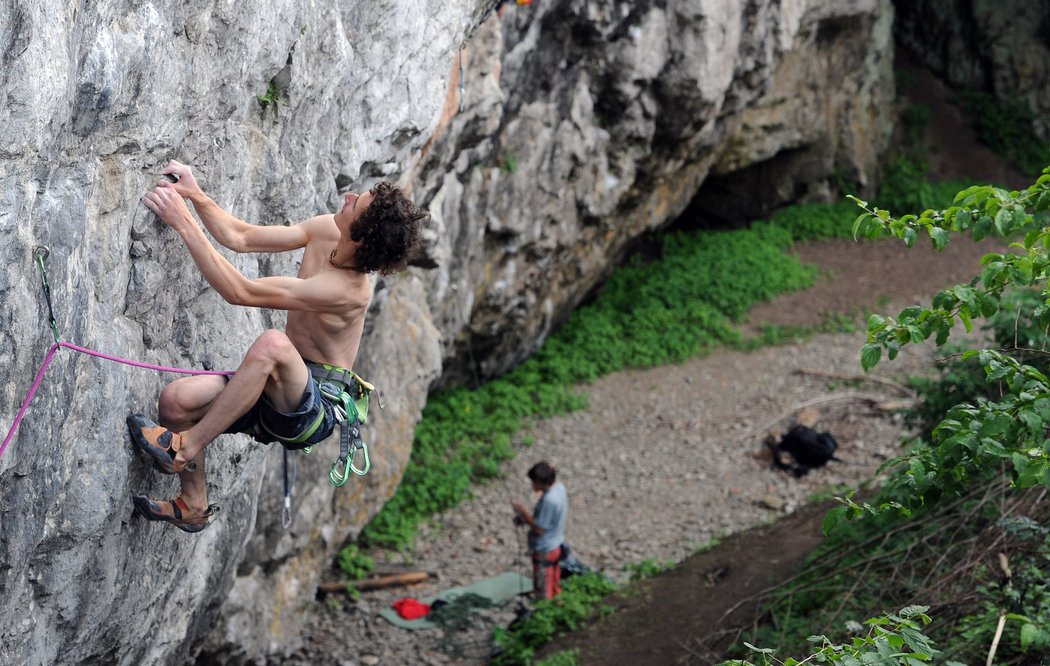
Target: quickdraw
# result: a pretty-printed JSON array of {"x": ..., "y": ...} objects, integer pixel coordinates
[
  {"x": 350, "y": 395},
  {"x": 42, "y": 252}
]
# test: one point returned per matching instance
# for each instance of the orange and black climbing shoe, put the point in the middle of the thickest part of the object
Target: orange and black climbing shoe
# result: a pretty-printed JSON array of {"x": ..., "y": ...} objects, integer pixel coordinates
[
  {"x": 157, "y": 442},
  {"x": 174, "y": 511}
]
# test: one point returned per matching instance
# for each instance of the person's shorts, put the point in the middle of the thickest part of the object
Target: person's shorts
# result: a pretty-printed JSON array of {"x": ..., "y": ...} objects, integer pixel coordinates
[{"x": 267, "y": 424}]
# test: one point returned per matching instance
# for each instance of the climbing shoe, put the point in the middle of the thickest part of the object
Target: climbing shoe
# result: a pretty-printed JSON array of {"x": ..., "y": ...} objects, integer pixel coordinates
[
  {"x": 157, "y": 442},
  {"x": 174, "y": 511}
]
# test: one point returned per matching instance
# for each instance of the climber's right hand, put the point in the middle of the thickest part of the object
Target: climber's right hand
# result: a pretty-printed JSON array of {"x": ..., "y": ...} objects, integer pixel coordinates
[{"x": 184, "y": 184}]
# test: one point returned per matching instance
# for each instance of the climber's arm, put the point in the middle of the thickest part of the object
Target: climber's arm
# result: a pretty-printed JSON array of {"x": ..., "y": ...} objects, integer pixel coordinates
[
  {"x": 229, "y": 231},
  {"x": 317, "y": 294}
]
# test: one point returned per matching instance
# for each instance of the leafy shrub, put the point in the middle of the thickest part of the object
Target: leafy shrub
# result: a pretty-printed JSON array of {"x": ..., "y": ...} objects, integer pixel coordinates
[
  {"x": 926, "y": 533},
  {"x": 355, "y": 563},
  {"x": 815, "y": 221},
  {"x": 905, "y": 186},
  {"x": 963, "y": 380},
  {"x": 566, "y": 612},
  {"x": 937, "y": 554},
  {"x": 892, "y": 639}
]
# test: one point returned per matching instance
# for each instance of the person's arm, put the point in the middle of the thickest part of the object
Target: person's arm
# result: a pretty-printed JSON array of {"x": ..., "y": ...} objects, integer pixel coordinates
[
  {"x": 528, "y": 518},
  {"x": 318, "y": 294},
  {"x": 231, "y": 232}
]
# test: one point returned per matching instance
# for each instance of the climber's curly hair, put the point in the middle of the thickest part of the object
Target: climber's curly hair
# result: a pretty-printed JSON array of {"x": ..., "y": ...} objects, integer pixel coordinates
[{"x": 389, "y": 231}]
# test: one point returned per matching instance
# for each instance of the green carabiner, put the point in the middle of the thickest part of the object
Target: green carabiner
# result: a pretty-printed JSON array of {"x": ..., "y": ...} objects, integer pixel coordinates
[
  {"x": 337, "y": 477},
  {"x": 342, "y": 467},
  {"x": 368, "y": 464}
]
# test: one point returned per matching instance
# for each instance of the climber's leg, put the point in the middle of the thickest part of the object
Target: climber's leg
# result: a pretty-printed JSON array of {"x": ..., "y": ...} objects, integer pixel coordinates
[{"x": 271, "y": 366}]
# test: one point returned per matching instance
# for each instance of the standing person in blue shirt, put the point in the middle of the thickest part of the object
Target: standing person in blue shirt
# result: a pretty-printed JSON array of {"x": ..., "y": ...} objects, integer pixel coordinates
[{"x": 546, "y": 529}]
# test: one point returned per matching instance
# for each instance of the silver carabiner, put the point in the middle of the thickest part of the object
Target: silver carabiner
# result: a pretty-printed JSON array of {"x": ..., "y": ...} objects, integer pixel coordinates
[{"x": 286, "y": 514}]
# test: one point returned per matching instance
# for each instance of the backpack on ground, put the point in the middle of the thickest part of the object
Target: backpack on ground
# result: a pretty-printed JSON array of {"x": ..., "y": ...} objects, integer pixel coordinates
[{"x": 808, "y": 448}]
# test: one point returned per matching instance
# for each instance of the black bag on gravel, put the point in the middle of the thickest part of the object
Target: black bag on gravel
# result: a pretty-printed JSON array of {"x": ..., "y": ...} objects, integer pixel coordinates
[
  {"x": 570, "y": 564},
  {"x": 807, "y": 447}
]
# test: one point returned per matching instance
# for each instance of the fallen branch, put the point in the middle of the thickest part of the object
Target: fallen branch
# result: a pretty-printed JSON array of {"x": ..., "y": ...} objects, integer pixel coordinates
[
  {"x": 856, "y": 378},
  {"x": 409, "y": 578}
]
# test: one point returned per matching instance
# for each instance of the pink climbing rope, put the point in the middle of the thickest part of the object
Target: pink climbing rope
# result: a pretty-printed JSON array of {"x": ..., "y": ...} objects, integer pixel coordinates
[
  {"x": 140, "y": 364},
  {"x": 91, "y": 352}
]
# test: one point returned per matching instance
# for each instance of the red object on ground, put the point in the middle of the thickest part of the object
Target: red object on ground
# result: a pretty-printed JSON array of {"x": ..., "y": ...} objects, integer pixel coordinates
[{"x": 411, "y": 609}]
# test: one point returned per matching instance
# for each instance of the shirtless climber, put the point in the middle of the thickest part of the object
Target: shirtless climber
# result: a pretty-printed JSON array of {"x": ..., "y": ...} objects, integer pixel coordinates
[{"x": 274, "y": 394}]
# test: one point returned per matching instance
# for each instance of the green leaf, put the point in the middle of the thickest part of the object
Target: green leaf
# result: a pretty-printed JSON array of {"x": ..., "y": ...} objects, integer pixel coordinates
[
  {"x": 869, "y": 356},
  {"x": 1031, "y": 237},
  {"x": 982, "y": 228},
  {"x": 758, "y": 649},
  {"x": 832, "y": 519},
  {"x": 939, "y": 237},
  {"x": 1003, "y": 221},
  {"x": 1031, "y": 635},
  {"x": 857, "y": 224},
  {"x": 909, "y": 236}
]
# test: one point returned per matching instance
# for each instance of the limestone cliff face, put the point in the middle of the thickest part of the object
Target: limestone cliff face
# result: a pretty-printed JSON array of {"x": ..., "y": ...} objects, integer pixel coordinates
[
  {"x": 1002, "y": 46},
  {"x": 587, "y": 124},
  {"x": 582, "y": 125}
]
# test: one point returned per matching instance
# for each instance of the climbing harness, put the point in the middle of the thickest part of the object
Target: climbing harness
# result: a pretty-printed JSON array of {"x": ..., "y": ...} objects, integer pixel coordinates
[
  {"x": 41, "y": 253},
  {"x": 349, "y": 393}
]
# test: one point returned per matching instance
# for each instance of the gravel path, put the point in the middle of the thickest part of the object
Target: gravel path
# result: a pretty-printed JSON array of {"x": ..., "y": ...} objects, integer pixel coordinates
[{"x": 662, "y": 462}]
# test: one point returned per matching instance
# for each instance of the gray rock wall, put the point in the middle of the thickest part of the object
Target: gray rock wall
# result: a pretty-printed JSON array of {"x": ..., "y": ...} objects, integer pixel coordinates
[
  {"x": 582, "y": 125},
  {"x": 601, "y": 121},
  {"x": 97, "y": 96},
  {"x": 1002, "y": 46}
]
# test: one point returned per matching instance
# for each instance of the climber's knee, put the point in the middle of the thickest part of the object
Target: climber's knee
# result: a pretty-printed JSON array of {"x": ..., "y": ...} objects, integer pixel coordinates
[
  {"x": 272, "y": 349},
  {"x": 185, "y": 401}
]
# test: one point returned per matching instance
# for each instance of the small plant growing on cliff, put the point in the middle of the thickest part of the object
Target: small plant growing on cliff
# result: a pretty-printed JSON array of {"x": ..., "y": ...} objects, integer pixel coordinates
[{"x": 271, "y": 100}]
